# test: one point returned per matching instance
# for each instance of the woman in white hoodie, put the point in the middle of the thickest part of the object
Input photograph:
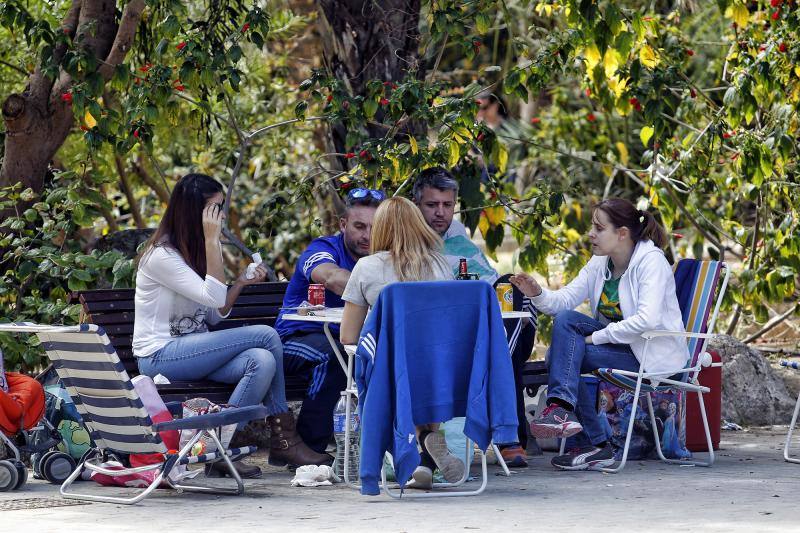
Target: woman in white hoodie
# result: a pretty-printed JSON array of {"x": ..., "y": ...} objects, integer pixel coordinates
[{"x": 631, "y": 289}]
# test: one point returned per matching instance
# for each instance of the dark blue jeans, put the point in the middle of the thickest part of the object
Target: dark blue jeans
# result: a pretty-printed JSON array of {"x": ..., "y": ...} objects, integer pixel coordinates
[{"x": 570, "y": 356}]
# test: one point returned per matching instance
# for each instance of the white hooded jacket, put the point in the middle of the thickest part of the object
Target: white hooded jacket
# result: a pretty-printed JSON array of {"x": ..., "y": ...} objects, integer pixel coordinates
[{"x": 647, "y": 299}]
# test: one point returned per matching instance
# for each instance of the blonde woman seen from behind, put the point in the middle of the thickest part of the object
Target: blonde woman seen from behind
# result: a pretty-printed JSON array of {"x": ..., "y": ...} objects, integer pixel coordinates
[{"x": 404, "y": 248}]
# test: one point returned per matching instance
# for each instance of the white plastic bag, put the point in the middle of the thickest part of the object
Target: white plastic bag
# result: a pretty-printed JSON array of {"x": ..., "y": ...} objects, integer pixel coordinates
[{"x": 203, "y": 406}]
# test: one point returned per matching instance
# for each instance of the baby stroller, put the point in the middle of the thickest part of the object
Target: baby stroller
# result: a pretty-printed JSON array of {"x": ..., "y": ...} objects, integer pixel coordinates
[{"x": 26, "y": 433}]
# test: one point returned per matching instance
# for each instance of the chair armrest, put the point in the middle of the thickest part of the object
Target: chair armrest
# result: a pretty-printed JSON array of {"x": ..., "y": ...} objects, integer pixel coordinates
[
  {"x": 666, "y": 333},
  {"x": 213, "y": 420}
]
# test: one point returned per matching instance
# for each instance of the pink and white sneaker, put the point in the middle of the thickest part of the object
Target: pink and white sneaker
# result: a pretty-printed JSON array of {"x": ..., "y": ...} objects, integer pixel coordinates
[{"x": 555, "y": 422}]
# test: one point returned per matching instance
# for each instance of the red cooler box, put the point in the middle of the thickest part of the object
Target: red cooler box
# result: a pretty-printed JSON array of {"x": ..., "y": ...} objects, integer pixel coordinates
[{"x": 695, "y": 436}]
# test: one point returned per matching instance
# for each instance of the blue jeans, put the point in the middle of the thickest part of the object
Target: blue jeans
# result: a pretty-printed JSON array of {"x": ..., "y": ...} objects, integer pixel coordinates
[
  {"x": 250, "y": 356},
  {"x": 570, "y": 356}
]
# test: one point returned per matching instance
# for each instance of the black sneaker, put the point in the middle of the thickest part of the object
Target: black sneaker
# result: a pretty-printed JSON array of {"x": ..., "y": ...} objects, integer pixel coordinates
[
  {"x": 586, "y": 458},
  {"x": 555, "y": 422}
]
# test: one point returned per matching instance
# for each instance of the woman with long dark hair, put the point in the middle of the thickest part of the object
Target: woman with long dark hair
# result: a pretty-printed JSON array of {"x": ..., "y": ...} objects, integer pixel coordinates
[
  {"x": 180, "y": 290},
  {"x": 631, "y": 289}
]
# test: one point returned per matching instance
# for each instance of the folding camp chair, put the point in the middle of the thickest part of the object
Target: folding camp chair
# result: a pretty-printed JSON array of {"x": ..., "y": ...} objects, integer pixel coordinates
[
  {"x": 117, "y": 421},
  {"x": 796, "y": 366},
  {"x": 462, "y": 322},
  {"x": 695, "y": 284}
]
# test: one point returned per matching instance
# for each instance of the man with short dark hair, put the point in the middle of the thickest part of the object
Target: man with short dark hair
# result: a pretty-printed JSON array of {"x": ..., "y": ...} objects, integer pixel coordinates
[
  {"x": 306, "y": 350},
  {"x": 436, "y": 194}
]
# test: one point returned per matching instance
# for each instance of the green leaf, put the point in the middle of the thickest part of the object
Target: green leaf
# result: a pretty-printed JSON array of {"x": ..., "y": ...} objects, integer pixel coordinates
[
  {"x": 483, "y": 23},
  {"x": 370, "y": 108},
  {"x": 645, "y": 134},
  {"x": 454, "y": 154},
  {"x": 300, "y": 109}
]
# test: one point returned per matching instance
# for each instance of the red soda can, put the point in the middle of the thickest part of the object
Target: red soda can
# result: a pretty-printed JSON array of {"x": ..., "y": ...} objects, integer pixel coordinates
[{"x": 316, "y": 294}]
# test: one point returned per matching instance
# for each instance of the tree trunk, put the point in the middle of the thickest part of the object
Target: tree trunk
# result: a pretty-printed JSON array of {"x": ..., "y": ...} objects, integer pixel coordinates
[
  {"x": 38, "y": 120},
  {"x": 369, "y": 40}
]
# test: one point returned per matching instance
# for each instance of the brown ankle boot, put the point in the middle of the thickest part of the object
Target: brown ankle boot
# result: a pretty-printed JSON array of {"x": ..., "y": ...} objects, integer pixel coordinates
[{"x": 286, "y": 446}]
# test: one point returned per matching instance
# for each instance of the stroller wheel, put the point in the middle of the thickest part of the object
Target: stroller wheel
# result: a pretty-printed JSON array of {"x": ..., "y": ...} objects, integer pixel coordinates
[
  {"x": 57, "y": 467},
  {"x": 37, "y": 461},
  {"x": 8, "y": 476},
  {"x": 22, "y": 473}
]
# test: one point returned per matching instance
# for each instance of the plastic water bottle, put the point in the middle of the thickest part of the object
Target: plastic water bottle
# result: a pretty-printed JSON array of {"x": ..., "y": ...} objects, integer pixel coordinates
[{"x": 339, "y": 420}]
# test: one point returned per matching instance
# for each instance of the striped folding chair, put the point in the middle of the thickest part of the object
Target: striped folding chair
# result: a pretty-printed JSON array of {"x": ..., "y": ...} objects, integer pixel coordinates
[
  {"x": 786, "y": 455},
  {"x": 116, "y": 419},
  {"x": 696, "y": 285}
]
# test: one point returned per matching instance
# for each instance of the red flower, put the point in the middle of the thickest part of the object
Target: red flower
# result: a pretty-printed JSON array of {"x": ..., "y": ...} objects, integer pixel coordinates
[
  {"x": 384, "y": 101},
  {"x": 387, "y": 84},
  {"x": 535, "y": 120},
  {"x": 84, "y": 128},
  {"x": 181, "y": 45},
  {"x": 245, "y": 27},
  {"x": 179, "y": 87},
  {"x": 678, "y": 235},
  {"x": 329, "y": 98},
  {"x": 728, "y": 134},
  {"x": 776, "y": 3},
  {"x": 776, "y": 14},
  {"x": 481, "y": 136},
  {"x": 349, "y": 155},
  {"x": 689, "y": 52},
  {"x": 590, "y": 117},
  {"x": 588, "y": 92},
  {"x": 394, "y": 86},
  {"x": 66, "y": 97},
  {"x": 136, "y": 133},
  {"x": 782, "y": 47},
  {"x": 635, "y": 103},
  {"x": 692, "y": 93},
  {"x": 364, "y": 154},
  {"x": 146, "y": 67}
]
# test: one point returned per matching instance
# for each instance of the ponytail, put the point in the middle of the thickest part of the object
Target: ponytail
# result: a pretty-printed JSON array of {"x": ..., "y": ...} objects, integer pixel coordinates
[{"x": 651, "y": 229}]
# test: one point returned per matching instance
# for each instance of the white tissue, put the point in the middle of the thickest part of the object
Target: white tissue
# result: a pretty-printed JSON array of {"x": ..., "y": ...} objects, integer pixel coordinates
[
  {"x": 251, "y": 268},
  {"x": 314, "y": 476},
  {"x": 160, "y": 380}
]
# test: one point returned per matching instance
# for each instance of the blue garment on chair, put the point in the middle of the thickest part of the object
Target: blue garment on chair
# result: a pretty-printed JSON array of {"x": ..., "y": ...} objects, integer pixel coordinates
[{"x": 429, "y": 352}]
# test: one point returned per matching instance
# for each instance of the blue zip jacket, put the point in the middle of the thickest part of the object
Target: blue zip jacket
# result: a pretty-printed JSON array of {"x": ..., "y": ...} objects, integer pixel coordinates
[{"x": 429, "y": 352}]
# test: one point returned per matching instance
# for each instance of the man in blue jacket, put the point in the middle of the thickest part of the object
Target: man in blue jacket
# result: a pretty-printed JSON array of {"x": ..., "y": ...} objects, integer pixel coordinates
[{"x": 306, "y": 350}]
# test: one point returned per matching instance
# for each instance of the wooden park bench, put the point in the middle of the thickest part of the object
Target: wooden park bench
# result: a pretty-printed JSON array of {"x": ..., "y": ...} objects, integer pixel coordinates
[{"x": 113, "y": 309}]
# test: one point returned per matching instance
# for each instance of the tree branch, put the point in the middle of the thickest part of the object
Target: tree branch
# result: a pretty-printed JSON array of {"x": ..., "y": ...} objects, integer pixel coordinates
[
  {"x": 125, "y": 34},
  {"x": 145, "y": 176},
  {"x": 772, "y": 323},
  {"x": 125, "y": 185}
]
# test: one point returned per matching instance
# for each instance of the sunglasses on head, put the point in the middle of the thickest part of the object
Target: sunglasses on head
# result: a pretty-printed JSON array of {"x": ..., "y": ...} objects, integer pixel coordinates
[{"x": 360, "y": 192}]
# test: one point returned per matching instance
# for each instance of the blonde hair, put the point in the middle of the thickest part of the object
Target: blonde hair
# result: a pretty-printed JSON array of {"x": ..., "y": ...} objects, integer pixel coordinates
[{"x": 400, "y": 229}]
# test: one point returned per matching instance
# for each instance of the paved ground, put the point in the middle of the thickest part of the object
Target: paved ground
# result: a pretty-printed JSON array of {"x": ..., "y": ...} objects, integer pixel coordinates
[{"x": 750, "y": 488}]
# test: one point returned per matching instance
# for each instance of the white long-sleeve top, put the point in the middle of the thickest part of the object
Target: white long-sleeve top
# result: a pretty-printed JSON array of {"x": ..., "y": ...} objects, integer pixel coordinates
[
  {"x": 647, "y": 299},
  {"x": 172, "y": 300}
]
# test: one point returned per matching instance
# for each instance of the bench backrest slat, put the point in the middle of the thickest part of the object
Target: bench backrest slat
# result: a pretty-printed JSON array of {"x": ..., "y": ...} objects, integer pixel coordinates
[{"x": 113, "y": 309}]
